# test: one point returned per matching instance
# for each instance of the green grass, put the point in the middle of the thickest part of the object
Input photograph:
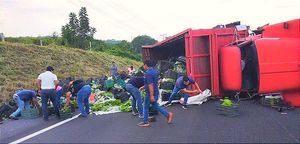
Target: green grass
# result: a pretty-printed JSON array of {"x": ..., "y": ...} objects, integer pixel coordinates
[{"x": 20, "y": 64}]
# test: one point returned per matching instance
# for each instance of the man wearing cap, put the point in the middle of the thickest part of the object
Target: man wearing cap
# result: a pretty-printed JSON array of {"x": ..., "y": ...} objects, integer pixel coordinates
[{"x": 47, "y": 83}]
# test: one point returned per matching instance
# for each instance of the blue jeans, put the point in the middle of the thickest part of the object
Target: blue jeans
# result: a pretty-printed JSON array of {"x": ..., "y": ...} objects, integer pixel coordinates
[
  {"x": 46, "y": 95},
  {"x": 154, "y": 106},
  {"x": 174, "y": 92},
  {"x": 83, "y": 98},
  {"x": 21, "y": 104},
  {"x": 136, "y": 95},
  {"x": 58, "y": 96}
]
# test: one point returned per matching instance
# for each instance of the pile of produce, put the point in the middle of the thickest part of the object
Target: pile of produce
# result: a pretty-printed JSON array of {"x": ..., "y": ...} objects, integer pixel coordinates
[
  {"x": 65, "y": 112},
  {"x": 110, "y": 104},
  {"x": 30, "y": 113}
]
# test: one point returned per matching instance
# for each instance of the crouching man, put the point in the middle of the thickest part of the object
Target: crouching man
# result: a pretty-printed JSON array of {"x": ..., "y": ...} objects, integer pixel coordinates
[
  {"x": 23, "y": 99},
  {"x": 181, "y": 86},
  {"x": 83, "y": 93},
  {"x": 133, "y": 86}
]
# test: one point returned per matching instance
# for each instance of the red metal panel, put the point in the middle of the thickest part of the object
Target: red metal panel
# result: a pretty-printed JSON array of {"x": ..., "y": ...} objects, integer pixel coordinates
[
  {"x": 230, "y": 68},
  {"x": 221, "y": 39},
  {"x": 187, "y": 54},
  {"x": 168, "y": 40},
  {"x": 203, "y": 53},
  {"x": 200, "y": 60},
  {"x": 278, "y": 64},
  {"x": 286, "y": 29}
]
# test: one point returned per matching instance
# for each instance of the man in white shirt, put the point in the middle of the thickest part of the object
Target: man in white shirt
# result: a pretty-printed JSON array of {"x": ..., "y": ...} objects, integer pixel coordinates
[{"x": 47, "y": 82}]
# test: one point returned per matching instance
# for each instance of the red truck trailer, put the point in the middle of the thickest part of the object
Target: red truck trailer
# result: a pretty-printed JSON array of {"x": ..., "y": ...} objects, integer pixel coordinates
[{"x": 213, "y": 59}]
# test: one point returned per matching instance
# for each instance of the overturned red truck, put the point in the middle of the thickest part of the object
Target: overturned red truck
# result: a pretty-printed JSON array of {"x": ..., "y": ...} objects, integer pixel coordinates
[{"x": 214, "y": 59}]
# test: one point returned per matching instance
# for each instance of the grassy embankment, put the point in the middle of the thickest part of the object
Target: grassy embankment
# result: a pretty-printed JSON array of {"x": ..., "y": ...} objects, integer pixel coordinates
[{"x": 20, "y": 64}]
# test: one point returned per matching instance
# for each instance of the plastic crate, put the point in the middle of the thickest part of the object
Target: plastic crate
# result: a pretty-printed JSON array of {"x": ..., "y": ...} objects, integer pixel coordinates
[
  {"x": 271, "y": 101},
  {"x": 109, "y": 83},
  {"x": 229, "y": 111},
  {"x": 30, "y": 113},
  {"x": 121, "y": 83},
  {"x": 165, "y": 95},
  {"x": 66, "y": 114},
  {"x": 167, "y": 85},
  {"x": 170, "y": 74},
  {"x": 163, "y": 65}
]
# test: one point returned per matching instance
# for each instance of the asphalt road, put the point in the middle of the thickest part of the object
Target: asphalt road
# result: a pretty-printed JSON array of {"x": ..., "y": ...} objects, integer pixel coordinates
[{"x": 198, "y": 124}]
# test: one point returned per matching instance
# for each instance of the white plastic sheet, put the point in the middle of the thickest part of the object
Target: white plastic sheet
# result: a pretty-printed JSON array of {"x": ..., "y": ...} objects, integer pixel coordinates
[
  {"x": 115, "y": 109},
  {"x": 198, "y": 99}
]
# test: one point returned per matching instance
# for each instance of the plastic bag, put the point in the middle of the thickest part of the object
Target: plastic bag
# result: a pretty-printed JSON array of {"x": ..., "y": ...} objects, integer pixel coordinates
[{"x": 197, "y": 99}]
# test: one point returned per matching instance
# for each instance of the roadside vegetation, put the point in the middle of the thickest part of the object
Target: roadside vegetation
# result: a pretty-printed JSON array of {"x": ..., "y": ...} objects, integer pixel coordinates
[{"x": 20, "y": 64}]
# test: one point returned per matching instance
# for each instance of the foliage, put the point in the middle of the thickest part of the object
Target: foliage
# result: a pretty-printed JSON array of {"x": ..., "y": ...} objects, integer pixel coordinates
[
  {"x": 108, "y": 94},
  {"x": 143, "y": 94},
  {"x": 126, "y": 107},
  {"x": 117, "y": 48},
  {"x": 107, "y": 105},
  {"x": 104, "y": 106},
  {"x": 74, "y": 103},
  {"x": 139, "y": 41},
  {"x": 78, "y": 32},
  {"x": 46, "y": 40},
  {"x": 66, "y": 109}
]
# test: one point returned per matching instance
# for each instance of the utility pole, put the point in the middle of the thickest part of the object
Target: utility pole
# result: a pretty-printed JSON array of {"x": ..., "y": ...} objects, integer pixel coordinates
[
  {"x": 163, "y": 36},
  {"x": 41, "y": 42},
  {"x": 2, "y": 37}
]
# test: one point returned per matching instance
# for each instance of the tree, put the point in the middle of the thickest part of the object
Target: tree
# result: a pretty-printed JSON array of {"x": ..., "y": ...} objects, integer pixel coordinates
[
  {"x": 78, "y": 33},
  {"x": 86, "y": 32},
  {"x": 139, "y": 41},
  {"x": 123, "y": 44}
]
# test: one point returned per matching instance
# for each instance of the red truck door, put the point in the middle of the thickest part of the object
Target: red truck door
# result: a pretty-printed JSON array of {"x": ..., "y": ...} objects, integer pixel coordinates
[
  {"x": 278, "y": 64},
  {"x": 198, "y": 59},
  {"x": 279, "y": 57}
]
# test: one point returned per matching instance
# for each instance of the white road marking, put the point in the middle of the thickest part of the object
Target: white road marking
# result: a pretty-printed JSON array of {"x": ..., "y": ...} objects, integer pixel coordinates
[{"x": 43, "y": 130}]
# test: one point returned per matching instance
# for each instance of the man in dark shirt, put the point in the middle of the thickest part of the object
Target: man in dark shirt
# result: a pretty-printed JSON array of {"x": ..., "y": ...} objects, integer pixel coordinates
[
  {"x": 133, "y": 86},
  {"x": 23, "y": 99},
  {"x": 181, "y": 85},
  {"x": 151, "y": 88},
  {"x": 83, "y": 92}
]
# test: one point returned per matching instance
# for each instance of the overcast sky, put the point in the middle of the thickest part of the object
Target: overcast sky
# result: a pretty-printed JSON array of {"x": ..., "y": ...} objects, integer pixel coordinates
[{"x": 126, "y": 19}]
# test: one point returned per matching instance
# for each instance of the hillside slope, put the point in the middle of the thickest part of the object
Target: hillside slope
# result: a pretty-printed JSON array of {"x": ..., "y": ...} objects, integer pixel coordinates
[{"x": 20, "y": 64}]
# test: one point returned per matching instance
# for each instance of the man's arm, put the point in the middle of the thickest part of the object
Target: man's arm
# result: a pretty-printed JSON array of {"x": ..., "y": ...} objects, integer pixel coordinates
[
  {"x": 198, "y": 88},
  {"x": 35, "y": 103},
  {"x": 38, "y": 83},
  {"x": 151, "y": 92},
  {"x": 56, "y": 82},
  {"x": 141, "y": 88},
  {"x": 189, "y": 91},
  {"x": 68, "y": 98}
]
